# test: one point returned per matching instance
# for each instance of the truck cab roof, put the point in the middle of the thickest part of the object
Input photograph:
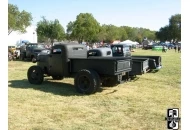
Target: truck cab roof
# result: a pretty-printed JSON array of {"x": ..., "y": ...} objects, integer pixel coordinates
[{"x": 71, "y": 50}]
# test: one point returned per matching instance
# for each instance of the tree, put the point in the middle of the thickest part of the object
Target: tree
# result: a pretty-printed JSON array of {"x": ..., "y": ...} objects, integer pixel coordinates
[
  {"x": 50, "y": 30},
  {"x": 164, "y": 34},
  {"x": 122, "y": 34},
  {"x": 18, "y": 21},
  {"x": 85, "y": 27},
  {"x": 171, "y": 32},
  {"x": 175, "y": 27},
  {"x": 70, "y": 27},
  {"x": 101, "y": 36}
]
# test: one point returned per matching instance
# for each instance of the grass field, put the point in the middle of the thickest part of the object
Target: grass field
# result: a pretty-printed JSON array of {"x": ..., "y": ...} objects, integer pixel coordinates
[{"x": 135, "y": 105}]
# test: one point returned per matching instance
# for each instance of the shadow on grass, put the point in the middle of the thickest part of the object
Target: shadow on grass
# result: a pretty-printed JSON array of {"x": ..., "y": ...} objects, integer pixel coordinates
[{"x": 57, "y": 88}]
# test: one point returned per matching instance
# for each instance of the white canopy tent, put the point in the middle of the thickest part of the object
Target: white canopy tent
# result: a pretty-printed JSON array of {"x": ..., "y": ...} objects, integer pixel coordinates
[
  {"x": 135, "y": 43},
  {"x": 129, "y": 42}
]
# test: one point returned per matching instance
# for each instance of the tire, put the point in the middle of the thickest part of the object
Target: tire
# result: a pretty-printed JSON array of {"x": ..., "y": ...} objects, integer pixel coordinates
[
  {"x": 110, "y": 82},
  {"x": 35, "y": 75},
  {"x": 57, "y": 77},
  {"x": 33, "y": 59},
  {"x": 87, "y": 81}
]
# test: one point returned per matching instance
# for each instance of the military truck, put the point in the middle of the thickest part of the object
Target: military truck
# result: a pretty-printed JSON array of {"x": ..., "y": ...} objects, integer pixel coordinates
[
  {"x": 70, "y": 60},
  {"x": 30, "y": 51}
]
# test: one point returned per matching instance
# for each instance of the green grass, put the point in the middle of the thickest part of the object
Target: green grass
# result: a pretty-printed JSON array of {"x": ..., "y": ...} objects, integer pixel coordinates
[{"x": 54, "y": 105}]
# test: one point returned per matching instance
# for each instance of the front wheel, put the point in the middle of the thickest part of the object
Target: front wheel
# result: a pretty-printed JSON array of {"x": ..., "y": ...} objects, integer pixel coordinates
[{"x": 35, "y": 75}]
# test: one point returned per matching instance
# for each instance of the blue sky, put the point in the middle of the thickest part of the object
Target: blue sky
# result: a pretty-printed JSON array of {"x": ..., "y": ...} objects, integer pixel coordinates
[{"x": 151, "y": 14}]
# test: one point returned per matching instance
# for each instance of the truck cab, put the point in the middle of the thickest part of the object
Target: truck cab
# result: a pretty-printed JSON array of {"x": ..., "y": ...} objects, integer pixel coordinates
[{"x": 121, "y": 50}]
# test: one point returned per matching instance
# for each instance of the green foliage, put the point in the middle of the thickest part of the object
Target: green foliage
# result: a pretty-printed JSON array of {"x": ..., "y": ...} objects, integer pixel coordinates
[
  {"x": 84, "y": 28},
  {"x": 50, "y": 30},
  {"x": 69, "y": 34},
  {"x": 171, "y": 32},
  {"x": 18, "y": 21}
]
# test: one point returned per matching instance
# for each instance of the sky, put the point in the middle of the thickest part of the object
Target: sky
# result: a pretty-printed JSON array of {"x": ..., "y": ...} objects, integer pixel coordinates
[{"x": 150, "y": 14}]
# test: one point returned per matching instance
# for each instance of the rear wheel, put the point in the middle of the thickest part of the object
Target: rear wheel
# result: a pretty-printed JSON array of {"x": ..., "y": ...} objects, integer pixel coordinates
[
  {"x": 35, "y": 75},
  {"x": 87, "y": 81}
]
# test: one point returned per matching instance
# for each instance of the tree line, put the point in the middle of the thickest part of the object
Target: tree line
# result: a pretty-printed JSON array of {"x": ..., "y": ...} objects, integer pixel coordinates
[
  {"x": 172, "y": 31},
  {"x": 87, "y": 28}
]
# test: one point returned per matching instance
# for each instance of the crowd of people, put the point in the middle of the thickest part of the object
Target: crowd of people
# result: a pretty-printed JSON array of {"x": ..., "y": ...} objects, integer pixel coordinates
[
  {"x": 177, "y": 48},
  {"x": 96, "y": 45}
]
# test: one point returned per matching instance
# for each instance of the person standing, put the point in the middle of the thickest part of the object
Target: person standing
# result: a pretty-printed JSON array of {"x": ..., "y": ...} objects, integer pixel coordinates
[
  {"x": 87, "y": 47},
  {"x": 176, "y": 47},
  {"x": 163, "y": 49},
  {"x": 179, "y": 49}
]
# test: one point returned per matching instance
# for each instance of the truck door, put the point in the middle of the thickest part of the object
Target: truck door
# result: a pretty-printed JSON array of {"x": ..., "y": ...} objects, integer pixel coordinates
[{"x": 56, "y": 62}]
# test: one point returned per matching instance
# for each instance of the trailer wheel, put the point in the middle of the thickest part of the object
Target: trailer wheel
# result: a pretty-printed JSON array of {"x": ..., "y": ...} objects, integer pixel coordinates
[
  {"x": 110, "y": 82},
  {"x": 35, "y": 75},
  {"x": 87, "y": 81},
  {"x": 57, "y": 77}
]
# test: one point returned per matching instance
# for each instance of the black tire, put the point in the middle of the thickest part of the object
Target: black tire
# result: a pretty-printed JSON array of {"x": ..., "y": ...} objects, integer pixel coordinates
[
  {"x": 35, "y": 75},
  {"x": 33, "y": 59},
  {"x": 110, "y": 82},
  {"x": 87, "y": 81},
  {"x": 57, "y": 77}
]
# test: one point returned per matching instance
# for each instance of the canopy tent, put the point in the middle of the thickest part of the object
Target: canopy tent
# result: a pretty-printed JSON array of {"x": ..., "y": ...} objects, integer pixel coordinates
[
  {"x": 129, "y": 42},
  {"x": 135, "y": 43}
]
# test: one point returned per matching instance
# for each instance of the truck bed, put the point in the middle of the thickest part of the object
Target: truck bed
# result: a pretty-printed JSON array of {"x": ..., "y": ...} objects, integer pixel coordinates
[
  {"x": 140, "y": 65},
  {"x": 104, "y": 66},
  {"x": 154, "y": 61}
]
